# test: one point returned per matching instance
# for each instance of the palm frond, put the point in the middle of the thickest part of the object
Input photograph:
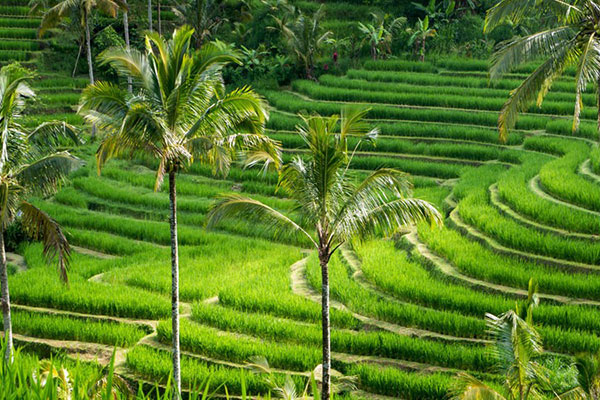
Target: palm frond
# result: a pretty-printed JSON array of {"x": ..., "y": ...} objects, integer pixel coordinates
[
  {"x": 519, "y": 50},
  {"x": 588, "y": 70},
  {"x": 129, "y": 63},
  {"x": 371, "y": 216},
  {"x": 238, "y": 208},
  {"x": 515, "y": 10},
  {"x": 53, "y": 134},
  {"x": 535, "y": 85},
  {"x": 40, "y": 226},
  {"x": 54, "y": 15},
  {"x": 45, "y": 174}
]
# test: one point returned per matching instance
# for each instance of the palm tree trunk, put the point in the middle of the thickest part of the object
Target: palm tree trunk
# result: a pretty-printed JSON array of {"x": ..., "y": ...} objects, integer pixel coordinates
[
  {"x": 150, "y": 15},
  {"x": 175, "y": 288},
  {"x": 598, "y": 96},
  {"x": 423, "y": 50},
  {"x": 323, "y": 258},
  {"x": 127, "y": 44},
  {"x": 77, "y": 59},
  {"x": 158, "y": 18},
  {"x": 88, "y": 49},
  {"x": 5, "y": 300}
]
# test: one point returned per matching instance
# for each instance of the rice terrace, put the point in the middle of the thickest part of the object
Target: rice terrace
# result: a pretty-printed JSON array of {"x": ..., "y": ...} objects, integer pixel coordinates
[{"x": 360, "y": 199}]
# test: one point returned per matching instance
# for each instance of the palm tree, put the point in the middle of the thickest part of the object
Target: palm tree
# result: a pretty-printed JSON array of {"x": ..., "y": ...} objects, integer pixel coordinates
[
  {"x": 30, "y": 164},
  {"x": 331, "y": 202},
  {"x": 573, "y": 42},
  {"x": 588, "y": 379},
  {"x": 178, "y": 113},
  {"x": 84, "y": 8},
  {"x": 419, "y": 35},
  {"x": 303, "y": 37},
  {"x": 517, "y": 346},
  {"x": 202, "y": 15}
]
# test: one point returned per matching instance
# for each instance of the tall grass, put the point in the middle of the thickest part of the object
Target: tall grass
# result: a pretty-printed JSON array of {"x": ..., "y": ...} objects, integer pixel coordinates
[
  {"x": 61, "y": 327},
  {"x": 373, "y": 343}
]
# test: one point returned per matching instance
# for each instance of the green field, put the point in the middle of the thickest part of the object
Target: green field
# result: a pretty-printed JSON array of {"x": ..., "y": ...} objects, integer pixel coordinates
[{"x": 408, "y": 311}]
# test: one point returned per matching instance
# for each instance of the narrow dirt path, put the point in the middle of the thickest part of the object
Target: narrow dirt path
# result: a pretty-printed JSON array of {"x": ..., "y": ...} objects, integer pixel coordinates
[
  {"x": 301, "y": 287},
  {"x": 93, "y": 253},
  {"x": 505, "y": 209},
  {"x": 99, "y": 317},
  {"x": 536, "y": 187},
  {"x": 479, "y": 236},
  {"x": 446, "y": 268},
  {"x": 17, "y": 260},
  {"x": 357, "y": 274},
  {"x": 585, "y": 169},
  {"x": 84, "y": 351}
]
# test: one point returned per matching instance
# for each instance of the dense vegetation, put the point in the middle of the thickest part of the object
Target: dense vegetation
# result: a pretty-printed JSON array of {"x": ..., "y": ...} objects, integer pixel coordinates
[{"x": 408, "y": 310}]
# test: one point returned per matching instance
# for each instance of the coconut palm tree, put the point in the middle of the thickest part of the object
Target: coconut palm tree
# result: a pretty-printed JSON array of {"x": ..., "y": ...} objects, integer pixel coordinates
[
  {"x": 179, "y": 112},
  {"x": 84, "y": 8},
  {"x": 517, "y": 346},
  {"x": 330, "y": 202},
  {"x": 30, "y": 164},
  {"x": 574, "y": 41},
  {"x": 303, "y": 36},
  {"x": 203, "y": 15}
]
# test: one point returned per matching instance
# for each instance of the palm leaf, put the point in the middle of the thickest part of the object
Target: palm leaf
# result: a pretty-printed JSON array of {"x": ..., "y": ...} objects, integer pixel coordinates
[
  {"x": 45, "y": 174},
  {"x": 53, "y": 134},
  {"x": 40, "y": 226},
  {"x": 238, "y": 208}
]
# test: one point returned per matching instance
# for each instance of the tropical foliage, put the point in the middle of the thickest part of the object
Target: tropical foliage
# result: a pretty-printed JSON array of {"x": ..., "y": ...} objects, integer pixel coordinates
[
  {"x": 178, "y": 112},
  {"x": 334, "y": 207},
  {"x": 31, "y": 163}
]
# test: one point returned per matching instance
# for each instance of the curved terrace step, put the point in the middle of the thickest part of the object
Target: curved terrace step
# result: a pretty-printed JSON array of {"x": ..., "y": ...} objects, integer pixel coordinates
[
  {"x": 417, "y": 107},
  {"x": 496, "y": 200},
  {"x": 449, "y": 270},
  {"x": 475, "y": 234},
  {"x": 301, "y": 287},
  {"x": 357, "y": 274},
  {"x": 536, "y": 187},
  {"x": 585, "y": 169}
]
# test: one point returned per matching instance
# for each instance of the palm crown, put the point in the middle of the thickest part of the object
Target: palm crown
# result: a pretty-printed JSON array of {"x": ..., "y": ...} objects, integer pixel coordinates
[
  {"x": 179, "y": 111},
  {"x": 327, "y": 196},
  {"x": 574, "y": 42},
  {"x": 31, "y": 163}
]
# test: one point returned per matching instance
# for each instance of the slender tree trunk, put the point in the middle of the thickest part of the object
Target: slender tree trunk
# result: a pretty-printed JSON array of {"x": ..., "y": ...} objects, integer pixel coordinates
[
  {"x": 127, "y": 44},
  {"x": 88, "y": 49},
  {"x": 77, "y": 60},
  {"x": 598, "y": 96},
  {"x": 158, "y": 18},
  {"x": 175, "y": 288},
  {"x": 325, "y": 385},
  {"x": 423, "y": 50},
  {"x": 150, "y": 15},
  {"x": 5, "y": 302}
]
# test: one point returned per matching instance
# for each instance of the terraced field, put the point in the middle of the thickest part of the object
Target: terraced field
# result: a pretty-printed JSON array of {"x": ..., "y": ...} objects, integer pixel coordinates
[{"x": 409, "y": 312}]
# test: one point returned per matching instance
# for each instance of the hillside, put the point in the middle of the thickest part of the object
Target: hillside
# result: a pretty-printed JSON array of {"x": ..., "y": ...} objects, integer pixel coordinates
[{"x": 408, "y": 311}]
